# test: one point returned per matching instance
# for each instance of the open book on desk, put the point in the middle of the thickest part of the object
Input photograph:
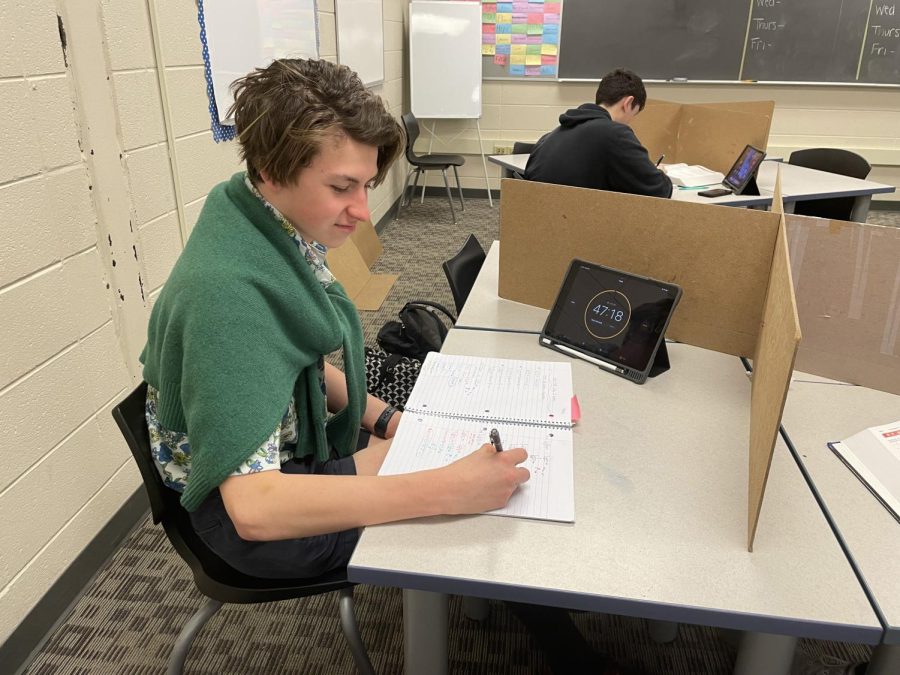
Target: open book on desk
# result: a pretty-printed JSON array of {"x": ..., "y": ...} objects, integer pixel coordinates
[
  {"x": 874, "y": 456},
  {"x": 693, "y": 175},
  {"x": 457, "y": 400}
]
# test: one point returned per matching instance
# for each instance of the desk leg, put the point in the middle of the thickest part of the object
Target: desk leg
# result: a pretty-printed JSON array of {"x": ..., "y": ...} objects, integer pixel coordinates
[
  {"x": 476, "y": 609},
  {"x": 425, "y": 619},
  {"x": 885, "y": 660},
  {"x": 861, "y": 208},
  {"x": 662, "y": 632},
  {"x": 765, "y": 653}
]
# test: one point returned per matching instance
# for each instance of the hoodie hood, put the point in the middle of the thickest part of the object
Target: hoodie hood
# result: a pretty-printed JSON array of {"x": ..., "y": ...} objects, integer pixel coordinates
[{"x": 583, "y": 113}]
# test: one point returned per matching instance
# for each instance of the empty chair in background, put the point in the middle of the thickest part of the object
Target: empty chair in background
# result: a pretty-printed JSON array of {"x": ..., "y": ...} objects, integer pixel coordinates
[
  {"x": 518, "y": 148},
  {"x": 428, "y": 162},
  {"x": 832, "y": 160},
  {"x": 462, "y": 269}
]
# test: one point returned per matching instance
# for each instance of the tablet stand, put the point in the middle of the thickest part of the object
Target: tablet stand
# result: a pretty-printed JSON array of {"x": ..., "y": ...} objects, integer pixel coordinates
[
  {"x": 751, "y": 188},
  {"x": 661, "y": 360}
]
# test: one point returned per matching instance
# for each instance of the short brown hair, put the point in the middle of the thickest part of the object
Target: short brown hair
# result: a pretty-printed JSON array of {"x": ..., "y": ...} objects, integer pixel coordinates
[
  {"x": 618, "y": 84},
  {"x": 285, "y": 111}
]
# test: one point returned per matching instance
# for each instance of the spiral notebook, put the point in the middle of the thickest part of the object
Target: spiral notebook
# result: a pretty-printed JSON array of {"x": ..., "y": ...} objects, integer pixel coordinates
[{"x": 457, "y": 400}]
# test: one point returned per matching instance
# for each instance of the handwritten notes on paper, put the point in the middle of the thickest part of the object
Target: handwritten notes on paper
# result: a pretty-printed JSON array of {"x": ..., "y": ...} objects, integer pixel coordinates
[{"x": 457, "y": 400}]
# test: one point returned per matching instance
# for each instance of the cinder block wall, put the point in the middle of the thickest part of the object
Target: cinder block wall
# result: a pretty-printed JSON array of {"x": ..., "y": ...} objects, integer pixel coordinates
[{"x": 100, "y": 184}]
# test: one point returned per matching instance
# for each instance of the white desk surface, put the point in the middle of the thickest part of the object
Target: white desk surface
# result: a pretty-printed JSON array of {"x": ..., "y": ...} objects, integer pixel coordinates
[
  {"x": 818, "y": 411},
  {"x": 486, "y": 310},
  {"x": 661, "y": 516},
  {"x": 797, "y": 182}
]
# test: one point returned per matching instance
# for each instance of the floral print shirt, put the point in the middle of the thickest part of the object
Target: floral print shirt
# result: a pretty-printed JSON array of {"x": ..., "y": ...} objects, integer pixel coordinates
[{"x": 172, "y": 450}]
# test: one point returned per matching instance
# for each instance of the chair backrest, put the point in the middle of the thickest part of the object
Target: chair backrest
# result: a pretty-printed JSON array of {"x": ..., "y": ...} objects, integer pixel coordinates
[
  {"x": 462, "y": 270},
  {"x": 521, "y": 148},
  {"x": 411, "y": 126},
  {"x": 164, "y": 502},
  {"x": 833, "y": 160}
]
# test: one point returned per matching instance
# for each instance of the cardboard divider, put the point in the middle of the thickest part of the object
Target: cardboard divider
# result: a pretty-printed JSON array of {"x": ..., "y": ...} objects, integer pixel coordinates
[
  {"x": 350, "y": 266},
  {"x": 773, "y": 363},
  {"x": 657, "y": 128},
  {"x": 710, "y": 134},
  {"x": 719, "y": 255},
  {"x": 732, "y": 264},
  {"x": 847, "y": 283}
]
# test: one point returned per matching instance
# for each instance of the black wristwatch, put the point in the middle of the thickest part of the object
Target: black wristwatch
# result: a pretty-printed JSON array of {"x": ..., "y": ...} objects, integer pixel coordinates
[{"x": 380, "y": 426}]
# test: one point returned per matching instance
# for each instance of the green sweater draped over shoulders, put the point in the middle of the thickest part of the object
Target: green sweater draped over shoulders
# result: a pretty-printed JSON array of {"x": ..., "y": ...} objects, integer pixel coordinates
[{"x": 238, "y": 328}]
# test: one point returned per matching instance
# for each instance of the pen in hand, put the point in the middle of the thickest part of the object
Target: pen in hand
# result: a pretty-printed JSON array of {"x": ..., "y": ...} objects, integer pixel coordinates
[
  {"x": 659, "y": 161},
  {"x": 495, "y": 440}
]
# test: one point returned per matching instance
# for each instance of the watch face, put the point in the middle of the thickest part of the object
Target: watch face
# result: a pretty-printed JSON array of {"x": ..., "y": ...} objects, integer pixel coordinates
[{"x": 616, "y": 316}]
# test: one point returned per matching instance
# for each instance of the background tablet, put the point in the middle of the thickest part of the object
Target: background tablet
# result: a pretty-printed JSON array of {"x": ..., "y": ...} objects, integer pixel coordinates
[
  {"x": 743, "y": 169},
  {"x": 611, "y": 318}
]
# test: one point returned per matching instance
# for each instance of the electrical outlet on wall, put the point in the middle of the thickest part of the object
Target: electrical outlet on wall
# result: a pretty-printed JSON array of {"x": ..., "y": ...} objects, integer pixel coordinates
[{"x": 500, "y": 149}]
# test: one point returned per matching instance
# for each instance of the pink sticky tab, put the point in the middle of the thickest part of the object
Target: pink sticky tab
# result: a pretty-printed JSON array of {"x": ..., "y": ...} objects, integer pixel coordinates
[{"x": 576, "y": 409}]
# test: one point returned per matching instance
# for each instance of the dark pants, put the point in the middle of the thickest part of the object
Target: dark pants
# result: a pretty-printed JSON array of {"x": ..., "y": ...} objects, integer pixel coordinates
[
  {"x": 306, "y": 557},
  {"x": 554, "y": 632}
]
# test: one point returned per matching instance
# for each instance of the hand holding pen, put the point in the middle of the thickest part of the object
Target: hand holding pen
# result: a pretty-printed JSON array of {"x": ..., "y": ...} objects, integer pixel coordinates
[{"x": 495, "y": 440}]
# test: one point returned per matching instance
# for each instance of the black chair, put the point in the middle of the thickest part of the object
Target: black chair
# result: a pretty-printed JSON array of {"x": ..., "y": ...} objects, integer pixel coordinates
[
  {"x": 430, "y": 162},
  {"x": 833, "y": 160},
  {"x": 462, "y": 269},
  {"x": 214, "y": 578},
  {"x": 518, "y": 148}
]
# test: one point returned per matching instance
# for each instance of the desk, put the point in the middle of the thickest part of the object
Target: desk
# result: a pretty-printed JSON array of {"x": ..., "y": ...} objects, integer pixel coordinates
[
  {"x": 660, "y": 529},
  {"x": 797, "y": 184},
  {"x": 485, "y": 310},
  {"x": 818, "y": 411}
]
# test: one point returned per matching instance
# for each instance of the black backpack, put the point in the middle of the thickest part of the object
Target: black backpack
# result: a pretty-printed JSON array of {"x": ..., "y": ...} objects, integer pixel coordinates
[{"x": 420, "y": 330}]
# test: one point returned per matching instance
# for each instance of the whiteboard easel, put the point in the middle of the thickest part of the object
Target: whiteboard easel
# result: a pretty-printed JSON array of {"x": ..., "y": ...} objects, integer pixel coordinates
[{"x": 445, "y": 65}]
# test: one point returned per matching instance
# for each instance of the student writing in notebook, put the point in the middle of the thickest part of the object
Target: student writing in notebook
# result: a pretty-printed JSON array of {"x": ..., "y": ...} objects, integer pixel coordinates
[
  {"x": 594, "y": 146},
  {"x": 239, "y": 391}
]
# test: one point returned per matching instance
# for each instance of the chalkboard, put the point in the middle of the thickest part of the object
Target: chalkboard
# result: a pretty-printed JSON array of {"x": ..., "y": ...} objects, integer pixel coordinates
[
  {"x": 445, "y": 58},
  {"x": 360, "y": 38},
  {"x": 832, "y": 41}
]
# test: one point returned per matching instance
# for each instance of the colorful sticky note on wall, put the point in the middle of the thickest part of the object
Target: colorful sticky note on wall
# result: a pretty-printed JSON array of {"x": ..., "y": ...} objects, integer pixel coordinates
[
  {"x": 532, "y": 71},
  {"x": 517, "y": 59},
  {"x": 519, "y": 28},
  {"x": 489, "y": 8},
  {"x": 534, "y": 29},
  {"x": 488, "y": 28},
  {"x": 533, "y": 49},
  {"x": 532, "y": 60},
  {"x": 518, "y": 49},
  {"x": 503, "y": 7},
  {"x": 548, "y": 71},
  {"x": 488, "y": 50},
  {"x": 490, "y": 17},
  {"x": 504, "y": 39},
  {"x": 504, "y": 17},
  {"x": 516, "y": 69},
  {"x": 503, "y": 49},
  {"x": 500, "y": 59},
  {"x": 548, "y": 49},
  {"x": 548, "y": 60}
]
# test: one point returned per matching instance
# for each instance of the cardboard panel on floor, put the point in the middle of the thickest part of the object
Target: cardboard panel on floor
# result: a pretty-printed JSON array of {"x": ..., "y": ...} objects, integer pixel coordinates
[
  {"x": 350, "y": 265},
  {"x": 731, "y": 263},
  {"x": 847, "y": 283},
  {"x": 710, "y": 134}
]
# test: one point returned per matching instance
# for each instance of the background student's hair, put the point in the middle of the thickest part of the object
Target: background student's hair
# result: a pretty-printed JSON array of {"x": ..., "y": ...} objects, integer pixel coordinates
[
  {"x": 617, "y": 85},
  {"x": 284, "y": 112}
]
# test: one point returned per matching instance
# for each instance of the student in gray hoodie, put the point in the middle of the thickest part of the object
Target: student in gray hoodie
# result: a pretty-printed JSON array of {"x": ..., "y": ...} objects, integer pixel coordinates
[{"x": 594, "y": 146}]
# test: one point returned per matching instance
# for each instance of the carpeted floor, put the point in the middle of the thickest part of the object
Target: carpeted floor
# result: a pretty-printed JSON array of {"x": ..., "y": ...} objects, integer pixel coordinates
[{"x": 131, "y": 612}]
